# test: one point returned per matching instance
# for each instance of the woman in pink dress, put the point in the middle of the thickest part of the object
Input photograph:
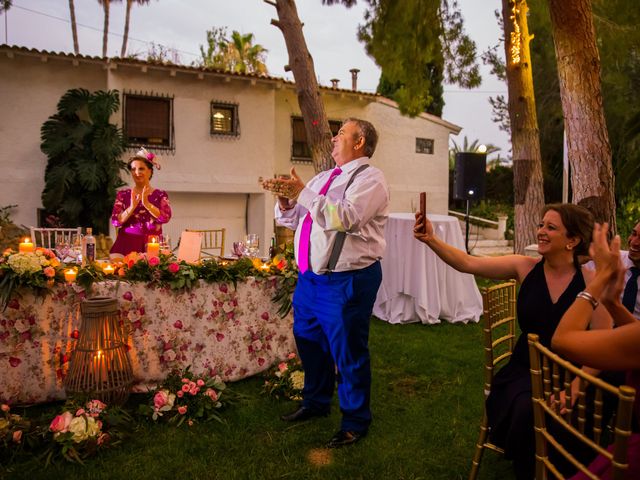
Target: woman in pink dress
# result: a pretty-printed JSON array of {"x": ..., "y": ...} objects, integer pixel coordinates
[
  {"x": 615, "y": 349},
  {"x": 139, "y": 212}
]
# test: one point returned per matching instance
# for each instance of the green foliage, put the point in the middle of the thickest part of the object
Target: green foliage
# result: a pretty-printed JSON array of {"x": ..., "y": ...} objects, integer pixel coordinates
[
  {"x": 84, "y": 150},
  {"x": 5, "y": 214},
  {"x": 236, "y": 54},
  {"x": 416, "y": 43}
]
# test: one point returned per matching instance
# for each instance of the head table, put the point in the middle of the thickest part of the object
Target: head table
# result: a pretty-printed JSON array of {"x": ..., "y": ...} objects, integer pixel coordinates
[
  {"x": 416, "y": 285},
  {"x": 214, "y": 328}
]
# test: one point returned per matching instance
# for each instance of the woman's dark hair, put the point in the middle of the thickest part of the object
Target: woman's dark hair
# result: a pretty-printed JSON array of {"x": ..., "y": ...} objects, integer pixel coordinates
[
  {"x": 579, "y": 223},
  {"x": 140, "y": 159}
]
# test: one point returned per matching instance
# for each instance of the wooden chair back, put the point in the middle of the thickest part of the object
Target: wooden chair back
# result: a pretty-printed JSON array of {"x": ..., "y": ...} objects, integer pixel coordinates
[
  {"x": 550, "y": 376},
  {"x": 50, "y": 237},
  {"x": 499, "y": 337},
  {"x": 212, "y": 241}
]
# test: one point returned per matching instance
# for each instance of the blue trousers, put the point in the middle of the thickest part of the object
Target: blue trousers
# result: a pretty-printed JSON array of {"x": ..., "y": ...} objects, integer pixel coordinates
[{"x": 331, "y": 316}]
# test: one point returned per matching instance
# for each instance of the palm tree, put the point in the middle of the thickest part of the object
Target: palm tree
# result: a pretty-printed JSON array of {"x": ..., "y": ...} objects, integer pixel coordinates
[
  {"x": 469, "y": 147},
  {"x": 105, "y": 35},
  {"x": 5, "y": 5},
  {"x": 74, "y": 28},
  {"x": 243, "y": 56},
  {"x": 127, "y": 19}
]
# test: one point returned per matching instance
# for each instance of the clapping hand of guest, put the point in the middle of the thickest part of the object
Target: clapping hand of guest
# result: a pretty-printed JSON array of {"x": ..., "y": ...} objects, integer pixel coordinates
[
  {"x": 609, "y": 270},
  {"x": 145, "y": 197},
  {"x": 423, "y": 228},
  {"x": 135, "y": 199}
]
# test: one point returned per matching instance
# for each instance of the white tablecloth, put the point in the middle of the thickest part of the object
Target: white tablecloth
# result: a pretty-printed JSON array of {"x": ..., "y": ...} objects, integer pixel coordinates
[{"x": 419, "y": 287}]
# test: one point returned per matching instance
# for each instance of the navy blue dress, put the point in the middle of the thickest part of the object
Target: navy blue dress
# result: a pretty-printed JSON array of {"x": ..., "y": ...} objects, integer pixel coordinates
[{"x": 509, "y": 406}]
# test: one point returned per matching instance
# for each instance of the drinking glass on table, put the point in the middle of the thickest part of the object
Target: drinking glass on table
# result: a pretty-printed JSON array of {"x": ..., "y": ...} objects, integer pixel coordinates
[
  {"x": 76, "y": 248},
  {"x": 63, "y": 249},
  {"x": 252, "y": 242},
  {"x": 238, "y": 249}
]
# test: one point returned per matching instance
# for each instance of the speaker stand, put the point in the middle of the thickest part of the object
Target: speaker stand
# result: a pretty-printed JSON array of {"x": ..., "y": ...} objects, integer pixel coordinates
[{"x": 466, "y": 229}]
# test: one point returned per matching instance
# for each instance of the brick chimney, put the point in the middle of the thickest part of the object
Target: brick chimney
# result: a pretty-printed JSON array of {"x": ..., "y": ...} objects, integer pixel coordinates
[
  {"x": 354, "y": 78},
  {"x": 334, "y": 82}
]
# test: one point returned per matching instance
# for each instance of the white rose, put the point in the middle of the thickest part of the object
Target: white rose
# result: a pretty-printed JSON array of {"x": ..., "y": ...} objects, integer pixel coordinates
[
  {"x": 79, "y": 427},
  {"x": 297, "y": 379},
  {"x": 22, "y": 326}
]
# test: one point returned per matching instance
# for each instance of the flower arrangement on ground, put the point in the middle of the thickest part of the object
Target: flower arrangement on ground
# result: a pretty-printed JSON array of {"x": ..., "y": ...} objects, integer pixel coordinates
[
  {"x": 286, "y": 379},
  {"x": 185, "y": 397},
  {"x": 15, "y": 432},
  {"x": 37, "y": 270},
  {"x": 79, "y": 432}
]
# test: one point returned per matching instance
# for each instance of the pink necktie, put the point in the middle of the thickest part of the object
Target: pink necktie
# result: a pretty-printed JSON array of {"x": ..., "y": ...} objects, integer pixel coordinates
[{"x": 305, "y": 232}]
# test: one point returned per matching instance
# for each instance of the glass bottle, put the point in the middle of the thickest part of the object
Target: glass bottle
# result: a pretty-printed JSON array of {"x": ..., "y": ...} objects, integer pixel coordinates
[{"x": 89, "y": 247}]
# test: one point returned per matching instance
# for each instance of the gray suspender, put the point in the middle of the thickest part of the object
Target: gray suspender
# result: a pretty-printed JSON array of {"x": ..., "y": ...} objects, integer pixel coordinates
[{"x": 340, "y": 236}]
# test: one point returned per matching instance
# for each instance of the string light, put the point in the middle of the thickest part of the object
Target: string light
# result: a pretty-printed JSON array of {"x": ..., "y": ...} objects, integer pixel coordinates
[{"x": 516, "y": 36}]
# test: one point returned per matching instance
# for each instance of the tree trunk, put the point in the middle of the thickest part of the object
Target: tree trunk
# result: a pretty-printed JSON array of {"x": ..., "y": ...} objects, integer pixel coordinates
[
  {"x": 74, "y": 28},
  {"x": 301, "y": 63},
  {"x": 525, "y": 139},
  {"x": 589, "y": 151},
  {"x": 105, "y": 35},
  {"x": 125, "y": 37}
]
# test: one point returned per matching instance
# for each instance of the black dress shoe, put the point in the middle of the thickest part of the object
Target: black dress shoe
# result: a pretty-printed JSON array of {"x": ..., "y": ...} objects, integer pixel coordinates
[
  {"x": 303, "y": 413},
  {"x": 343, "y": 438}
]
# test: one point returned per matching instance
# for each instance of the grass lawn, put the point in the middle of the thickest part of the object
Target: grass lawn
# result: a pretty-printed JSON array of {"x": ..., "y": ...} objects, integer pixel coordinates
[{"x": 426, "y": 401}]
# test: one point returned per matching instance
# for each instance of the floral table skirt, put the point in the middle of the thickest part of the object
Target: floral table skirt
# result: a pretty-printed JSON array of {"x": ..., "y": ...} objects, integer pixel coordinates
[{"x": 217, "y": 328}]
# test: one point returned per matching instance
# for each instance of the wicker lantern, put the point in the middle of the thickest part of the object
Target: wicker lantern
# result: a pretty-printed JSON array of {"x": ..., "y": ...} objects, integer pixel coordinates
[{"x": 100, "y": 366}]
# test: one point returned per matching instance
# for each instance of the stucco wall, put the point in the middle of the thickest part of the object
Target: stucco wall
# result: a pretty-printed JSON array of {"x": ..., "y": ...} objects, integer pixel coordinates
[
  {"x": 30, "y": 89},
  {"x": 212, "y": 180}
]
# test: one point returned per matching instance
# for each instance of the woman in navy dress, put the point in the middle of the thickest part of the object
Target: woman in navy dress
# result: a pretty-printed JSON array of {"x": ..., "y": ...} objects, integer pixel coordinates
[{"x": 548, "y": 286}]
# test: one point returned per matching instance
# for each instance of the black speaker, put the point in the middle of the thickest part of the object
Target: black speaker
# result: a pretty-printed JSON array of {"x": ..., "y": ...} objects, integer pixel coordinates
[{"x": 469, "y": 176}]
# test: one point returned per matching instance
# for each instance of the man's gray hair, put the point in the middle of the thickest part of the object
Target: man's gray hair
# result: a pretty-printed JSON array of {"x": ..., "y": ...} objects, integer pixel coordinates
[{"x": 368, "y": 132}]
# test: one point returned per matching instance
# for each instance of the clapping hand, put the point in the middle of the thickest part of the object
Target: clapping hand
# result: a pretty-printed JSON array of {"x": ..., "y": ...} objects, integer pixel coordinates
[
  {"x": 284, "y": 188},
  {"x": 145, "y": 196},
  {"x": 607, "y": 260}
]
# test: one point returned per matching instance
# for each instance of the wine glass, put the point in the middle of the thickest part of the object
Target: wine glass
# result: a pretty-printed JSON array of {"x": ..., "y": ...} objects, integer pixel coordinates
[
  {"x": 76, "y": 248},
  {"x": 252, "y": 242},
  {"x": 238, "y": 249}
]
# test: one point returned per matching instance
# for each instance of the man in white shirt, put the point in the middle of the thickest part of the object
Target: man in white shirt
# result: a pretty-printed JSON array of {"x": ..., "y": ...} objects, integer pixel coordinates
[
  {"x": 337, "y": 287},
  {"x": 631, "y": 261}
]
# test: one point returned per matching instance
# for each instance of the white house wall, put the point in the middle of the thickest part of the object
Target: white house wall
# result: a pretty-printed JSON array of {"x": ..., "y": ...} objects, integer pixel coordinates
[{"x": 212, "y": 180}]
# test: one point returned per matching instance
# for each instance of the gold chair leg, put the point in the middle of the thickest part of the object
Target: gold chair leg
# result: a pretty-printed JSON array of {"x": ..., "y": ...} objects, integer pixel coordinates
[{"x": 477, "y": 456}]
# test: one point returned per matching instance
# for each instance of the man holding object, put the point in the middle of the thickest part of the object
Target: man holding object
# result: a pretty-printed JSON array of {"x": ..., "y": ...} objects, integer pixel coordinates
[{"x": 339, "y": 218}]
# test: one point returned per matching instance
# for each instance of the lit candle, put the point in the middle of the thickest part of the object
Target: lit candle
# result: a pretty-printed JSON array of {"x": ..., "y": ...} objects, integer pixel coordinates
[
  {"x": 153, "y": 248},
  {"x": 26, "y": 246},
  {"x": 265, "y": 266},
  {"x": 108, "y": 269},
  {"x": 70, "y": 275},
  {"x": 100, "y": 366}
]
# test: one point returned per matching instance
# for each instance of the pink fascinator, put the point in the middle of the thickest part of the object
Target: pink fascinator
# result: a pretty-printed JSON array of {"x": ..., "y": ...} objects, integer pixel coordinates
[{"x": 144, "y": 154}]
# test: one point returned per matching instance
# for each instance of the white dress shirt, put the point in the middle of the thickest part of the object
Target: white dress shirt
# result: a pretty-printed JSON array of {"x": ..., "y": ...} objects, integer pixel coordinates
[{"x": 361, "y": 213}]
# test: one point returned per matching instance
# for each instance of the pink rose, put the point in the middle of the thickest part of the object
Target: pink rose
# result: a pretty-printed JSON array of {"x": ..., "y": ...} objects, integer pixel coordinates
[
  {"x": 261, "y": 361},
  {"x": 182, "y": 410},
  {"x": 60, "y": 423},
  {"x": 14, "y": 361},
  {"x": 103, "y": 438},
  {"x": 160, "y": 399},
  {"x": 174, "y": 267},
  {"x": 5, "y": 408},
  {"x": 265, "y": 316},
  {"x": 211, "y": 393},
  {"x": 291, "y": 356},
  {"x": 154, "y": 261},
  {"x": 200, "y": 382},
  {"x": 185, "y": 388},
  {"x": 219, "y": 336},
  {"x": 180, "y": 393},
  {"x": 223, "y": 288},
  {"x": 190, "y": 423},
  {"x": 49, "y": 272},
  {"x": 127, "y": 296},
  {"x": 282, "y": 367},
  {"x": 80, "y": 412},
  {"x": 17, "y": 436},
  {"x": 178, "y": 324},
  {"x": 185, "y": 380}
]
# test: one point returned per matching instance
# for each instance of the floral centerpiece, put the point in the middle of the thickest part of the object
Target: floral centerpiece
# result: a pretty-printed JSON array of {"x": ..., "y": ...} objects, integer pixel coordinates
[
  {"x": 285, "y": 379},
  {"x": 37, "y": 270},
  {"x": 185, "y": 397},
  {"x": 15, "y": 432},
  {"x": 81, "y": 431}
]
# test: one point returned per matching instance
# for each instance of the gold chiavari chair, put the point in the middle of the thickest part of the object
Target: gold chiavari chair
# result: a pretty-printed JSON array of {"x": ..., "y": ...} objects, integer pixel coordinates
[
  {"x": 582, "y": 420},
  {"x": 212, "y": 241},
  {"x": 499, "y": 335}
]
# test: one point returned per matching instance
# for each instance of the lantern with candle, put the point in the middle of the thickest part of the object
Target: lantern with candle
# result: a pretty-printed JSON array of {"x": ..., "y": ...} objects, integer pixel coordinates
[
  {"x": 70, "y": 275},
  {"x": 153, "y": 247},
  {"x": 100, "y": 366},
  {"x": 26, "y": 246}
]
